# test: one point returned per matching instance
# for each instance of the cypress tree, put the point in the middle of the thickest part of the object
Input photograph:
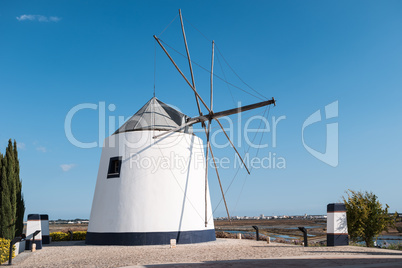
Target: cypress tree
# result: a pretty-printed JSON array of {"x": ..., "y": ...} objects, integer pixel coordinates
[
  {"x": 19, "y": 224},
  {"x": 1, "y": 195},
  {"x": 12, "y": 186},
  {"x": 12, "y": 207},
  {"x": 6, "y": 209}
]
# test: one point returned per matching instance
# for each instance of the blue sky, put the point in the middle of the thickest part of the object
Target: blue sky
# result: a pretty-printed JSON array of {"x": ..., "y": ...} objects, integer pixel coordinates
[{"x": 306, "y": 54}]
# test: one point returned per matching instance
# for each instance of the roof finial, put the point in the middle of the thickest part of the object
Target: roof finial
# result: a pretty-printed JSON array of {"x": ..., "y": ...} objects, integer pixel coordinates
[{"x": 154, "y": 68}]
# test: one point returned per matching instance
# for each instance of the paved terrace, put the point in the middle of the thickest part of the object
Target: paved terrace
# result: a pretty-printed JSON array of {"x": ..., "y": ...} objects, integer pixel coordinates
[{"x": 222, "y": 253}]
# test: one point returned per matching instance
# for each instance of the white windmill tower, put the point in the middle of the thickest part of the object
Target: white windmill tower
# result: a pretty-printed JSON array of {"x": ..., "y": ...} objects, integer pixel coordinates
[{"x": 142, "y": 195}]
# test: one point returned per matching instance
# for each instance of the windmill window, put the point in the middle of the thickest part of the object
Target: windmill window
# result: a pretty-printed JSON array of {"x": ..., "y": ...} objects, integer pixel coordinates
[{"x": 114, "y": 167}]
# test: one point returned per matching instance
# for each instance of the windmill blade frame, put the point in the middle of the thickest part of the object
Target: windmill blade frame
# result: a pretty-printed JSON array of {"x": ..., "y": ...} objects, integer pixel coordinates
[
  {"x": 189, "y": 61},
  {"x": 178, "y": 69},
  {"x": 231, "y": 143},
  {"x": 220, "y": 184},
  {"x": 208, "y": 117},
  {"x": 206, "y": 173}
]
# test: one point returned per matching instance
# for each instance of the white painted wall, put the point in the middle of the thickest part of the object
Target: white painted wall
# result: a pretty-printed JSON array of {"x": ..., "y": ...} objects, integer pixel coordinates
[
  {"x": 161, "y": 186},
  {"x": 337, "y": 223},
  {"x": 32, "y": 226}
]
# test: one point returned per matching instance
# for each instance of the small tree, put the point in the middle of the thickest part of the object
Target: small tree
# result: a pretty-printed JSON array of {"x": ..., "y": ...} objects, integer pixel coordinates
[{"x": 366, "y": 216}]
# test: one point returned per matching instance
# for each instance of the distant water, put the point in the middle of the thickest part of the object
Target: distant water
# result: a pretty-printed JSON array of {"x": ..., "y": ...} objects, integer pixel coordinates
[
  {"x": 389, "y": 239},
  {"x": 307, "y": 227}
]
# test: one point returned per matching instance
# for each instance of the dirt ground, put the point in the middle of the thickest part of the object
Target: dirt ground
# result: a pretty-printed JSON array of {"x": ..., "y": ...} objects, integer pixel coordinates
[
  {"x": 287, "y": 227},
  {"x": 67, "y": 227},
  {"x": 266, "y": 227}
]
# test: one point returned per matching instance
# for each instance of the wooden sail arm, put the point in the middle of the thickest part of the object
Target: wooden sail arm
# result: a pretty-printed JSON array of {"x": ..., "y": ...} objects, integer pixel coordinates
[
  {"x": 203, "y": 118},
  {"x": 243, "y": 108},
  {"x": 189, "y": 123},
  {"x": 178, "y": 69},
  {"x": 189, "y": 61},
  {"x": 231, "y": 143},
  {"x": 206, "y": 172},
  {"x": 212, "y": 78},
  {"x": 220, "y": 184},
  {"x": 233, "y": 111}
]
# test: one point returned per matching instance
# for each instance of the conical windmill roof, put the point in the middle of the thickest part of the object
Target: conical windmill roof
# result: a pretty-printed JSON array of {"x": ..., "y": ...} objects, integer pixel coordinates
[{"x": 155, "y": 115}]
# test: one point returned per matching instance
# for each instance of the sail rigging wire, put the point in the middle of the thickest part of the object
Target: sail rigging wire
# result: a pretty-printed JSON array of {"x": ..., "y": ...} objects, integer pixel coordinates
[
  {"x": 258, "y": 149},
  {"x": 238, "y": 75},
  {"x": 248, "y": 149},
  {"x": 224, "y": 76},
  {"x": 226, "y": 60},
  {"x": 168, "y": 25},
  {"x": 238, "y": 169},
  {"x": 245, "y": 176},
  {"x": 215, "y": 75},
  {"x": 197, "y": 29}
]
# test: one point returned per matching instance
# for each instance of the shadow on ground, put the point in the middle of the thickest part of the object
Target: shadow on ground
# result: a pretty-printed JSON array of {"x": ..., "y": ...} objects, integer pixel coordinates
[
  {"x": 360, "y": 253},
  {"x": 324, "y": 262},
  {"x": 65, "y": 244}
]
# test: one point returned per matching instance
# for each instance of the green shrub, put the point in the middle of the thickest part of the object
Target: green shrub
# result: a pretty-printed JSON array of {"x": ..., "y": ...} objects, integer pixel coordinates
[
  {"x": 397, "y": 246},
  {"x": 60, "y": 236},
  {"x": 4, "y": 249}
]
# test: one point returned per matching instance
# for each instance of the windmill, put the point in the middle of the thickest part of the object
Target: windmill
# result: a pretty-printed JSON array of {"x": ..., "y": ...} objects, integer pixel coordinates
[
  {"x": 210, "y": 116},
  {"x": 137, "y": 204}
]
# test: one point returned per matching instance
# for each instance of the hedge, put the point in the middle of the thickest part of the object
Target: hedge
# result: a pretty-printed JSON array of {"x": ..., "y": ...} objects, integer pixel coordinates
[
  {"x": 79, "y": 235},
  {"x": 60, "y": 236},
  {"x": 4, "y": 249}
]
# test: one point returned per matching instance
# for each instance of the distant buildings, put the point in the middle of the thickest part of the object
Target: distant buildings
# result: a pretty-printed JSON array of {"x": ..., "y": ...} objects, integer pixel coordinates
[
  {"x": 263, "y": 217},
  {"x": 76, "y": 221}
]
